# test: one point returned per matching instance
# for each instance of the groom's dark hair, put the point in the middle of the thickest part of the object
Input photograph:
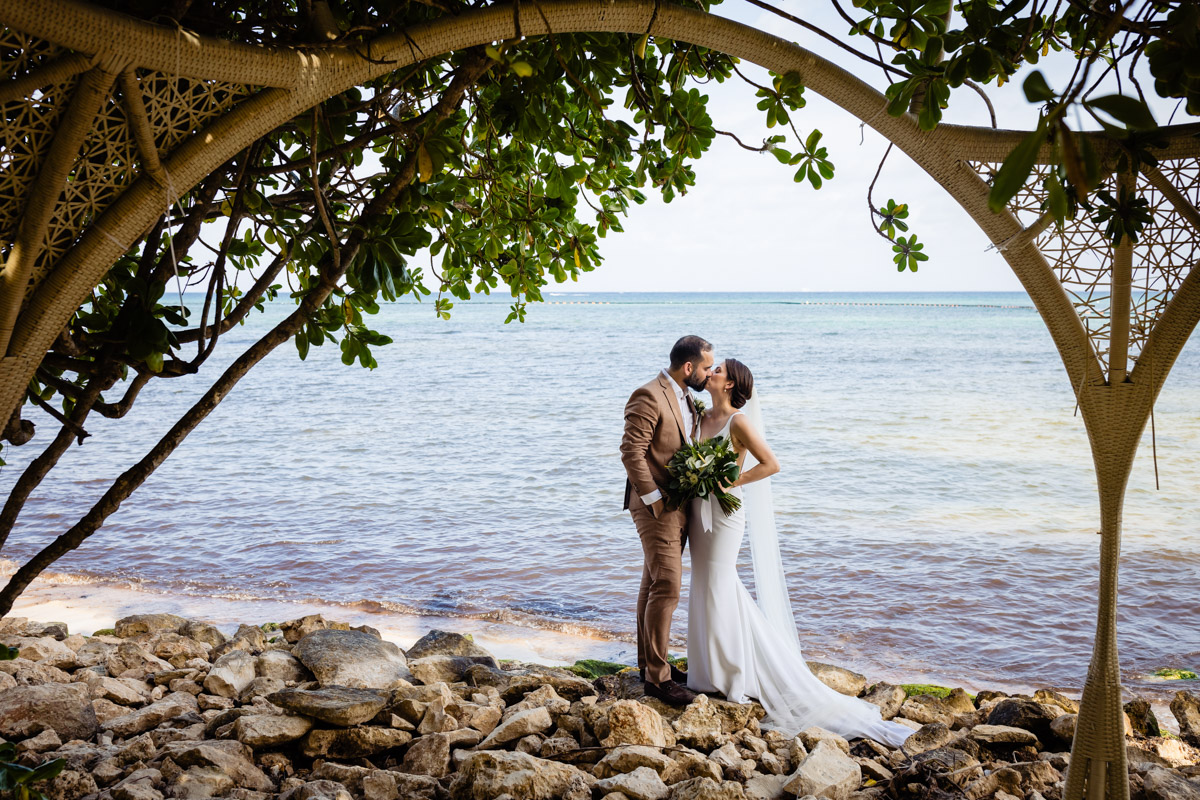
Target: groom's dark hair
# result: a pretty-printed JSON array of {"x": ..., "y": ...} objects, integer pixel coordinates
[{"x": 689, "y": 348}]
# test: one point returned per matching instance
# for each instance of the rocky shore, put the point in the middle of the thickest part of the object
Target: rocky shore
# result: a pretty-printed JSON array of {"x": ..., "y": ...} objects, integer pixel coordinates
[{"x": 162, "y": 706}]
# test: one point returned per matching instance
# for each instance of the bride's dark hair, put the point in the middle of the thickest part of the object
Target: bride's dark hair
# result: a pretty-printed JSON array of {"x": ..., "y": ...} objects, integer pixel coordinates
[{"x": 743, "y": 382}]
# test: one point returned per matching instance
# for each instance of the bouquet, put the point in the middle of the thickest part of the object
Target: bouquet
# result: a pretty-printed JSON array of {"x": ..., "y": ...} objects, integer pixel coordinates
[{"x": 700, "y": 469}]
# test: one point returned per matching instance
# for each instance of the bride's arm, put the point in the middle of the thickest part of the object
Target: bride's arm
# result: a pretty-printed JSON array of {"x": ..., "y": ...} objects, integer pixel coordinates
[{"x": 767, "y": 464}]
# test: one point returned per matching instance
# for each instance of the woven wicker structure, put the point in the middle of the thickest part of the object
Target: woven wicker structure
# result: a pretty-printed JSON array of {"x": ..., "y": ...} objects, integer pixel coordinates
[{"x": 111, "y": 119}]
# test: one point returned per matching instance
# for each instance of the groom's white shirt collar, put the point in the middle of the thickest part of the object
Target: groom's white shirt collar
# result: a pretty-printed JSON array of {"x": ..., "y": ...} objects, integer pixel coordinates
[{"x": 686, "y": 410}]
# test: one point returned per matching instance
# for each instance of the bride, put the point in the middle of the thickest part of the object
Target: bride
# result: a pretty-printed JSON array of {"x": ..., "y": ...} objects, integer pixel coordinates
[{"x": 742, "y": 648}]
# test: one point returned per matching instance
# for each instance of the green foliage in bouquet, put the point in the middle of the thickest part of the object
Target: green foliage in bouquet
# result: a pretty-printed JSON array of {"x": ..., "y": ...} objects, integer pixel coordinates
[{"x": 700, "y": 469}]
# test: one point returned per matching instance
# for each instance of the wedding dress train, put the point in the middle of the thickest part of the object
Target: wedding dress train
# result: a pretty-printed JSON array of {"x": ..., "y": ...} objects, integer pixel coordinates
[{"x": 734, "y": 648}]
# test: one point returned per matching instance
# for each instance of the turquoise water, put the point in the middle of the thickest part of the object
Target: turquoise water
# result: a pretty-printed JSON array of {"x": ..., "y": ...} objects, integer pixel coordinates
[{"x": 937, "y": 504}]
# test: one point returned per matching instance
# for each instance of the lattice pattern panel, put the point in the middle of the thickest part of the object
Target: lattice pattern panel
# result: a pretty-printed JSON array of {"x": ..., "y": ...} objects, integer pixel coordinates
[
  {"x": 178, "y": 107},
  {"x": 106, "y": 164},
  {"x": 28, "y": 125},
  {"x": 1081, "y": 254},
  {"x": 109, "y": 160},
  {"x": 21, "y": 53}
]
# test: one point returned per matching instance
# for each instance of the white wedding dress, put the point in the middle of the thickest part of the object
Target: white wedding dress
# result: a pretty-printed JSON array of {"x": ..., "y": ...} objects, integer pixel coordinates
[{"x": 736, "y": 649}]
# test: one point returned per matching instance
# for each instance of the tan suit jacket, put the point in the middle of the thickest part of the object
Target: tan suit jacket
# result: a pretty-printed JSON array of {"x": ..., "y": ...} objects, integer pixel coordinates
[{"x": 653, "y": 433}]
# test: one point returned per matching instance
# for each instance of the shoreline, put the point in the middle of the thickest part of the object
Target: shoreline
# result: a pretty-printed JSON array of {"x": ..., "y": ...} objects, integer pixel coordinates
[{"x": 88, "y": 607}]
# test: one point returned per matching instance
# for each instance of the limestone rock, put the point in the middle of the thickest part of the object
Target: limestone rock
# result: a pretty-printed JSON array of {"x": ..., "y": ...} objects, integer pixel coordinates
[
  {"x": 114, "y": 689},
  {"x": 925, "y": 708},
  {"x": 65, "y": 709},
  {"x": 147, "y": 624},
  {"x": 437, "y": 719},
  {"x": 202, "y": 632},
  {"x": 839, "y": 679},
  {"x": 69, "y": 785},
  {"x": 642, "y": 783},
  {"x": 1141, "y": 717},
  {"x": 296, "y": 629},
  {"x": 688, "y": 764},
  {"x": 707, "y": 789},
  {"x": 1186, "y": 708},
  {"x": 544, "y": 696},
  {"x": 1028, "y": 714},
  {"x": 889, "y": 698},
  {"x": 46, "y": 650},
  {"x": 336, "y": 705},
  {"x": 767, "y": 787},
  {"x": 631, "y": 722},
  {"x": 353, "y": 742},
  {"x": 515, "y": 684},
  {"x": 282, "y": 665},
  {"x": 318, "y": 790},
  {"x": 1160, "y": 783},
  {"x": 1049, "y": 697},
  {"x": 488, "y": 774},
  {"x": 523, "y": 723},
  {"x": 428, "y": 755},
  {"x": 196, "y": 783},
  {"x": 1062, "y": 728},
  {"x": 448, "y": 669},
  {"x": 1002, "y": 780},
  {"x": 827, "y": 772},
  {"x": 811, "y": 737},
  {"x": 230, "y": 674},
  {"x": 352, "y": 658},
  {"x": 929, "y": 737},
  {"x": 268, "y": 730},
  {"x": 485, "y": 719},
  {"x": 1002, "y": 735},
  {"x": 169, "y": 707},
  {"x": 630, "y": 757},
  {"x": 131, "y": 659},
  {"x": 175, "y": 648},
  {"x": 136, "y": 791},
  {"x": 442, "y": 643},
  {"x": 700, "y": 725},
  {"x": 230, "y": 757},
  {"x": 46, "y": 740}
]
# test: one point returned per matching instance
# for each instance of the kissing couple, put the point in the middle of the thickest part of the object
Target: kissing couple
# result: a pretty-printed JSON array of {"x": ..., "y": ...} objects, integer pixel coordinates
[{"x": 743, "y": 647}]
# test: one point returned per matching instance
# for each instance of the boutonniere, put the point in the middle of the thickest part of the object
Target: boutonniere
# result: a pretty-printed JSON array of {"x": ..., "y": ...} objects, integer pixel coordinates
[{"x": 700, "y": 407}]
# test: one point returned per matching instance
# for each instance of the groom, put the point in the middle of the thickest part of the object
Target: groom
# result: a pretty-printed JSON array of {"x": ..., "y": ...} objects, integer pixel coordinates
[{"x": 660, "y": 418}]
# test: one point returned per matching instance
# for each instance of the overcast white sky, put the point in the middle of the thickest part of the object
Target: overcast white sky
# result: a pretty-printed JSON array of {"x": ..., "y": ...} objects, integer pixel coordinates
[{"x": 747, "y": 227}]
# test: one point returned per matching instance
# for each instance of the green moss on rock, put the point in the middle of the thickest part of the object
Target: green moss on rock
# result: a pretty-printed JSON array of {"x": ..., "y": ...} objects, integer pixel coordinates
[
  {"x": 1172, "y": 674},
  {"x": 925, "y": 688}
]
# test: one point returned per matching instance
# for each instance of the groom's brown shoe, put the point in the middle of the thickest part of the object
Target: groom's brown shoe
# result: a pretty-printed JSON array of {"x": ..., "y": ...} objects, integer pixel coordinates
[
  {"x": 670, "y": 692},
  {"x": 677, "y": 675}
]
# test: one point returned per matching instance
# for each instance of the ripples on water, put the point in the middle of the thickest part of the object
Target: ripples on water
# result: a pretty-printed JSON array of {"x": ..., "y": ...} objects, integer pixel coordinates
[{"x": 937, "y": 503}]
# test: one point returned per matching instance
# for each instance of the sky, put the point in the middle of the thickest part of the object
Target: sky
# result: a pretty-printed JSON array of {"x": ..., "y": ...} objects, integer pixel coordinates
[{"x": 746, "y": 226}]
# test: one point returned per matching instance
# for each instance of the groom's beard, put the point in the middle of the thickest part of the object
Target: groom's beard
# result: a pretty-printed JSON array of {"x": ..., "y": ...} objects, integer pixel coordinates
[{"x": 694, "y": 383}]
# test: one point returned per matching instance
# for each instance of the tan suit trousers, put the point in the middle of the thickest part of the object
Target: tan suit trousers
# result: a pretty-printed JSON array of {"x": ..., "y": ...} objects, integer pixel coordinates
[{"x": 662, "y": 574}]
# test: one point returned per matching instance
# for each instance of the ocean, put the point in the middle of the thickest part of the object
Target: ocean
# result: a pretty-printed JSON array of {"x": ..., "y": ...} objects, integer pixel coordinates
[{"x": 936, "y": 505}]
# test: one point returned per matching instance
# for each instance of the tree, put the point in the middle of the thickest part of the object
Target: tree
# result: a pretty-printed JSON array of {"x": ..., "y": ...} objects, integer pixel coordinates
[{"x": 510, "y": 162}]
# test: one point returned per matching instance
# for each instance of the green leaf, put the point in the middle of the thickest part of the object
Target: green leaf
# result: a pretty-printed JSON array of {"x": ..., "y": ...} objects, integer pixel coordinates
[
  {"x": 1128, "y": 110},
  {"x": 1016, "y": 168},
  {"x": 1036, "y": 88}
]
